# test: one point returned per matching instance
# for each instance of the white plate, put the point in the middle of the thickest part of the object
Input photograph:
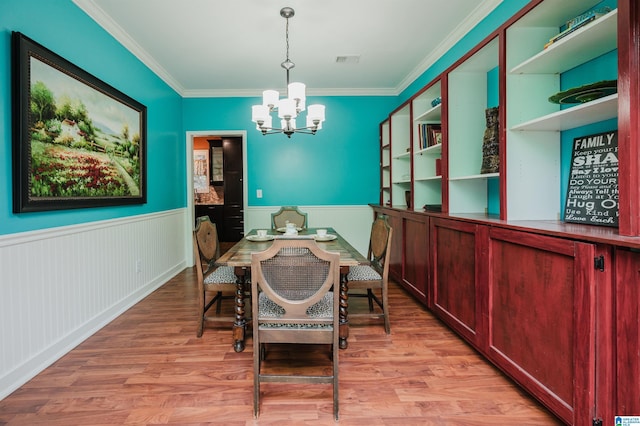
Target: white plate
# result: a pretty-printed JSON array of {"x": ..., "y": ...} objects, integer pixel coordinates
[
  {"x": 327, "y": 237},
  {"x": 283, "y": 230},
  {"x": 256, "y": 238}
]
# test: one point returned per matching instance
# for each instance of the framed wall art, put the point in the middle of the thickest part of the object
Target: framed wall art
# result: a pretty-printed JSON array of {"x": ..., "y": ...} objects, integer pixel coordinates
[{"x": 77, "y": 141}]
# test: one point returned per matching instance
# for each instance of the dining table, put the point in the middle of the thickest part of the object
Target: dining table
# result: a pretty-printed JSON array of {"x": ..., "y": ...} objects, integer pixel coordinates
[{"x": 239, "y": 258}]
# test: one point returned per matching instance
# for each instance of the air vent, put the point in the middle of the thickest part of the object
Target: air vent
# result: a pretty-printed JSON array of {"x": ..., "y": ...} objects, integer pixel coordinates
[{"x": 348, "y": 59}]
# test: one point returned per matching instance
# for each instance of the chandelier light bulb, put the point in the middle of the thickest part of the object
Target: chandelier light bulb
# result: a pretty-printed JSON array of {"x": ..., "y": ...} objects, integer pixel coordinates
[
  {"x": 270, "y": 98},
  {"x": 316, "y": 112}
]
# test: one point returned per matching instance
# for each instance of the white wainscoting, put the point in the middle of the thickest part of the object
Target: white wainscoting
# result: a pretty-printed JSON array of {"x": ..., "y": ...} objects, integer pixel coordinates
[
  {"x": 59, "y": 286},
  {"x": 352, "y": 222}
]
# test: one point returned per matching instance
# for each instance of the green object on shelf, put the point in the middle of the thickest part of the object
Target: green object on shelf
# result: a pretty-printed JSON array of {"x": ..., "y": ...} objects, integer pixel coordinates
[{"x": 586, "y": 93}]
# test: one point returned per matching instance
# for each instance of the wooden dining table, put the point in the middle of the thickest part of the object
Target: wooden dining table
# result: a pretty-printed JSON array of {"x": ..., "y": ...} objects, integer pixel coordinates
[{"x": 239, "y": 257}]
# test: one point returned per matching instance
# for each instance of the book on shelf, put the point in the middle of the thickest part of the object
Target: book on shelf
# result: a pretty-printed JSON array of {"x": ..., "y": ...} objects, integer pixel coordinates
[
  {"x": 434, "y": 136},
  {"x": 577, "y": 23},
  {"x": 429, "y": 135}
]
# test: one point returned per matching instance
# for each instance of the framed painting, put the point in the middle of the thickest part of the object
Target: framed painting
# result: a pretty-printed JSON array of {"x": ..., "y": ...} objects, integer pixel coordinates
[{"x": 77, "y": 141}]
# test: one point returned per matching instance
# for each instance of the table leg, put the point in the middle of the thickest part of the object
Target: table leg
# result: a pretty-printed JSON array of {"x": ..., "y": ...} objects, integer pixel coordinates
[
  {"x": 344, "y": 305},
  {"x": 240, "y": 323}
]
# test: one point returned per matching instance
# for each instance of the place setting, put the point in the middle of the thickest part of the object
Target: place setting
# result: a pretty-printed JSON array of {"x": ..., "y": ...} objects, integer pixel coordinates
[{"x": 260, "y": 236}]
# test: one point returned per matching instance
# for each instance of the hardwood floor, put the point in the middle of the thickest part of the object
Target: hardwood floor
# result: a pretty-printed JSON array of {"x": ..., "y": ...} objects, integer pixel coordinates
[{"x": 147, "y": 367}]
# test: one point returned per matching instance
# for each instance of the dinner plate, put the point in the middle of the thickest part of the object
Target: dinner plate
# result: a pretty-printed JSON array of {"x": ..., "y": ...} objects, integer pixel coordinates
[
  {"x": 257, "y": 238},
  {"x": 327, "y": 237},
  {"x": 283, "y": 230},
  {"x": 586, "y": 93}
]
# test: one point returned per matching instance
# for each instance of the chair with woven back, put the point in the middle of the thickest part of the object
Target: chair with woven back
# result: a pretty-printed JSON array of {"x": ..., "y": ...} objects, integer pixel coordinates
[
  {"x": 288, "y": 214},
  {"x": 293, "y": 302},
  {"x": 374, "y": 276},
  {"x": 214, "y": 283}
]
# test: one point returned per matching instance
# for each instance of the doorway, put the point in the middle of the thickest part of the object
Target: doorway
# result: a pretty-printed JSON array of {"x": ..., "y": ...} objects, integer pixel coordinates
[{"x": 224, "y": 201}]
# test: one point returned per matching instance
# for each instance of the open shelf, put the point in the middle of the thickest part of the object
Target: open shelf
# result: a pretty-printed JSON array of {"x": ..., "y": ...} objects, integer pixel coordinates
[
  {"x": 582, "y": 45},
  {"x": 598, "y": 110}
]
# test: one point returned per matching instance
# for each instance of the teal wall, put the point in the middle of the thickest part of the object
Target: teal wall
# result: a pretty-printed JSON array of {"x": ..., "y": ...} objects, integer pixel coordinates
[
  {"x": 64, "y": 29},
  {"x": 337, "y": 166}
]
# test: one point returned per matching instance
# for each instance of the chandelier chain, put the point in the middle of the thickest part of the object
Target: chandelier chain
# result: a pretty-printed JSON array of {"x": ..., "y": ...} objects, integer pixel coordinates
[{"x": 287, "y": 38}]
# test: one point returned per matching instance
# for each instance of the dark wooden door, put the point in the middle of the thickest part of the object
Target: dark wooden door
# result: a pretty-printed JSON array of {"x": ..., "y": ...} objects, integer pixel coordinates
[{"x": 233, "y": 192}]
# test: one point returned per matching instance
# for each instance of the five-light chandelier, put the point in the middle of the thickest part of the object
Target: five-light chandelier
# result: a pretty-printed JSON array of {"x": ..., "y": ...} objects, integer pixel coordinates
[{"x": 290, "y": 107}]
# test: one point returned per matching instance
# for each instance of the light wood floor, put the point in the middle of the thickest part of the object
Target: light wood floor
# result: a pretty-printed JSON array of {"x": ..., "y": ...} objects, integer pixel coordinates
[{"x": 147, "y": 367}]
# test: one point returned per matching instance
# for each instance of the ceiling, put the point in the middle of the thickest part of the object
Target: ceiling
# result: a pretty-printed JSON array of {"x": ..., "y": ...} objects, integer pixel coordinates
[{"x": 211, "y": 48}]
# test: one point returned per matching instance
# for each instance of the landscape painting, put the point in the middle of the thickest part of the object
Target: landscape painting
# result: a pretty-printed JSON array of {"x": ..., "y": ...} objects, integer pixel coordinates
[{"x": 78, "y": 142}]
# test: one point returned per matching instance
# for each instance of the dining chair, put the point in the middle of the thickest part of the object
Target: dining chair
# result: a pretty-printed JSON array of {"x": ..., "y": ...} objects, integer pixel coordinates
[
  {"x": 294, "y": 303},
  {"x": 214, "y": 283},
  {"x": 286, "y": 214},
  {"x": 374, "y": 276}
]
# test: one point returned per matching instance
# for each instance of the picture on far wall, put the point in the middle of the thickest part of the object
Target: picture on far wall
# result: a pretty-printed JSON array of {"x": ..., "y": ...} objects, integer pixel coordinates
[{"x": 77, "y": 141}]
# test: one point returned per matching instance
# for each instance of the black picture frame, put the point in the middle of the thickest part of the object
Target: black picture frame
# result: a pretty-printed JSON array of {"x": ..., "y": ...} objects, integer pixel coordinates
[{"x": 77, "y": 141}]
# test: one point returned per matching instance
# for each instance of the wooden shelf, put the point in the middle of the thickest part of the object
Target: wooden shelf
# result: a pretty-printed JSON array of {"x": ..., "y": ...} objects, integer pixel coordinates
[
  {"x": 599, "y": 110},
  {"x": 582, "y": 45},
  {"x": 427, "y": 179},
  {"x": 433, "y": 114},
  {"x": 476, "y": 177},
  {"x": 434, "y": 150}
]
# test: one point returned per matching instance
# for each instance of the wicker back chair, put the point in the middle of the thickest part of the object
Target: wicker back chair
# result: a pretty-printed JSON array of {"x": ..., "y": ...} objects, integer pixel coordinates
[
  {"x": 293, "y": 302},
  {"x": 375, "y": 276},
  {"x": 214, "y": 283},
  {"x": 290, "y": 214}
]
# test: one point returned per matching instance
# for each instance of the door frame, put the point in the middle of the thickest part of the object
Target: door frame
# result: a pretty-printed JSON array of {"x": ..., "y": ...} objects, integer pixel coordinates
[{"x": 190, "y": 214}]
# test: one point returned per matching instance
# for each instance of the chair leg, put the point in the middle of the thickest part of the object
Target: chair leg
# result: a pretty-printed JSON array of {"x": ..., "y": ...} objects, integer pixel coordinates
[
  {"x": 370, "y": 297},
  {"x": 335, "y": 382},
  {"x": 256, "y": 382},
  {"x": 385, "y": 310},
  {"x": 219, "y": 304},
  {"x": 200, "y": 318}
]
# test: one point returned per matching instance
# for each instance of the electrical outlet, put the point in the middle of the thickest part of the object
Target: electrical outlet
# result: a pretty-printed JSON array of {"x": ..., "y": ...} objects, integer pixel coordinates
[
  {"x": 259, "y": 193},
  {"x": 138, "y": 266}
]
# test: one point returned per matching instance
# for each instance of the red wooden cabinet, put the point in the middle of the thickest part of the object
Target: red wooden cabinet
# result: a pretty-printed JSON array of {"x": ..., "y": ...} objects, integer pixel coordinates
[
  {"x": 542, "y": 318},
  {"x": 627, "y": 331},
  {"x": 456, "y": 282},
  {"x": 416, "y": 256},
  {"x": 409, "y": 250},
  {"x": 395, "y": 264}
]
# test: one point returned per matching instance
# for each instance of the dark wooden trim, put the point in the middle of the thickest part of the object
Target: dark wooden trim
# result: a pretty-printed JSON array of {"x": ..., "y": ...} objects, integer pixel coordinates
[{"x": 629, "y": 116}]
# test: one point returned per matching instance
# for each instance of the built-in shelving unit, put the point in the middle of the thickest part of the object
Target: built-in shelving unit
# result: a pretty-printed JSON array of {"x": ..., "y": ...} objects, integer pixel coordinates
[
  {"x": 427, "y": 111},
  {"x": 400, "y": 155},
  {"x": 521, "y": 288},
  {"x": 533, "y": 123},
  {"x": 385, "y": 164},
  {"x": 467, "y": 101}
]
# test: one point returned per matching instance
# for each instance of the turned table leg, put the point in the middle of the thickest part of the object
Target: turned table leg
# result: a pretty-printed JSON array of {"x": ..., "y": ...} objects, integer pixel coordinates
[
  {"x": 344, "y": 305},
  {"x": 240, "y": 323}
]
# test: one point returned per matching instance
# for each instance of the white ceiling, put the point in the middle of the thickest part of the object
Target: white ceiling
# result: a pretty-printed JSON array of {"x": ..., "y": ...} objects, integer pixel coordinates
[{"x": 215, "y": 48}]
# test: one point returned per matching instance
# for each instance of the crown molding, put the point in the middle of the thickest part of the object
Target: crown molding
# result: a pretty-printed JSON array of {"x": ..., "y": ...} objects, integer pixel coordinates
[
  {"x": 479, "y": 13},
  {"x": 110, "y": 26}
]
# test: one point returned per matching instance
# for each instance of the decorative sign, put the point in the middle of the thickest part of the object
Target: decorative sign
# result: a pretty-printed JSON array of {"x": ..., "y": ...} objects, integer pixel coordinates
[{"x": 592, "y": 194}]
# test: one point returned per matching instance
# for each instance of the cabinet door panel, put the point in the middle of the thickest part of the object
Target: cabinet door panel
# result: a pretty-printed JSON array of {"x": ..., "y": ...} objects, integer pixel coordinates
[
  {"x": 541, "y": 318},
  {"x": 455, "y": 295},
  {"x": 416, "y": 251},
  {"x": 395, "y": 264},
  {"x": 628, "y": 332}
]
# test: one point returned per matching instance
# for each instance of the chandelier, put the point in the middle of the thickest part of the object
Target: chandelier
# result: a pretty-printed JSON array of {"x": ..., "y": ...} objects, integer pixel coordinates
[{"x": 290, "y": 107}]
